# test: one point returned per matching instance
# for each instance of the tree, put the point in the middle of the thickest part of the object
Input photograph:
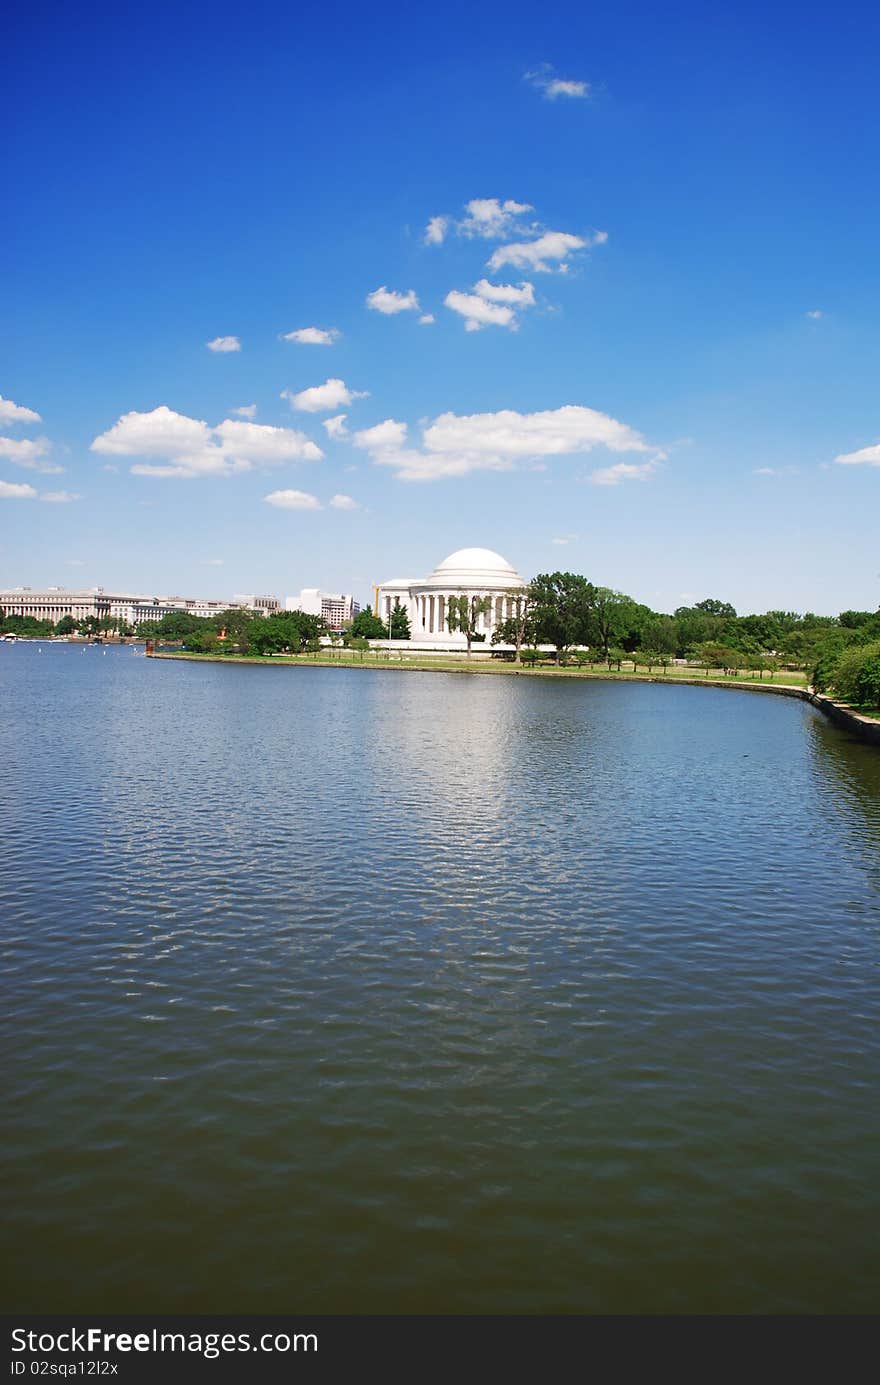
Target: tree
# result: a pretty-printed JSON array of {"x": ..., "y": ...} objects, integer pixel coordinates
[
  {"x": 463, "y": 613},
  {"x": 856, "y": 678},
  {"x": 518, "y": 629},
  {"x": 647, "y": 658},
  {"x": 696, "y": 627},
  {"x": 65, "y": 626},
  {"x": 399, "y": 622},
  {"x": 712, "y": 656},
  {"x": 853, "y": 620},
  {"x": 176, "y": 625},
  {"x": 234, "y": 624},
  {"x": 28, "y": 626},
  {"x": 661, "y": 634},
  {"x": 713, "y": 607},
  {"x": 293, "y": 630},
  {"x": 562, "y": 606},
  {"x": 267, "y": 636},
  {"x": 202, "y": 642},
  {"x": 366, "y": 626},
  {"x": 613, "y": 616}
]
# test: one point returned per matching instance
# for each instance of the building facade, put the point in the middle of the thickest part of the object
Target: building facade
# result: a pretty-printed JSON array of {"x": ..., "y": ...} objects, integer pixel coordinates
[
  {"x": 468, "y": 572},
  {"x": 55, "y": 602},
  {"x": 336, "y": 609}
]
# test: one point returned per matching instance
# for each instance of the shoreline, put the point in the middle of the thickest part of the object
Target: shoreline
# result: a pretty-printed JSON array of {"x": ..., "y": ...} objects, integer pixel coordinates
[{"x": 864, "y": 727}]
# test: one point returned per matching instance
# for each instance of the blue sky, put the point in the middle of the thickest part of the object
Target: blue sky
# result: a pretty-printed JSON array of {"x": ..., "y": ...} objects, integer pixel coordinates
[{"x": 655, "y": 299}]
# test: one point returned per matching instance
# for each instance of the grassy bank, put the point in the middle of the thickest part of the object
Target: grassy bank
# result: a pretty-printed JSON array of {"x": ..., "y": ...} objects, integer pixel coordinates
[{"x": 381, "y": 659}]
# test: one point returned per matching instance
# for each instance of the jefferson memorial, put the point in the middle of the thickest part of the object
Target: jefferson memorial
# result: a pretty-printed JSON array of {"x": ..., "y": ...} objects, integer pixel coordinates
[{"x": 468, "y": 572}]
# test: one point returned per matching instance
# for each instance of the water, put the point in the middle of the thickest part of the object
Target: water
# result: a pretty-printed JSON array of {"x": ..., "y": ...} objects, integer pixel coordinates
[{"x": 350, "y": 991}]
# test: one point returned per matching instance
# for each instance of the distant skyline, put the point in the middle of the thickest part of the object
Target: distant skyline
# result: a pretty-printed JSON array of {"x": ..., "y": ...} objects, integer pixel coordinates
[{"x": 298, "y": 299}]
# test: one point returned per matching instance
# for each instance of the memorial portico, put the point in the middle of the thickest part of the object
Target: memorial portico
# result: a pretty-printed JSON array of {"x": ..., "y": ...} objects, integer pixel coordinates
[{"x": 470, "y": 572}]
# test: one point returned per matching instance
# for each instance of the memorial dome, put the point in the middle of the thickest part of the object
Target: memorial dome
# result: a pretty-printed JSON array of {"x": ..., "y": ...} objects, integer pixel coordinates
[{"x": 474, "y": 567}]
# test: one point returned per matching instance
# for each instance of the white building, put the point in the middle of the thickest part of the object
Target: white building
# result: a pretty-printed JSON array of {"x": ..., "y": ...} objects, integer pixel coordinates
[
  {"x": 334, "y": 608},
  {"x": 469, "y": 572},
  {"x": 260, "y": 605},
  {"x": 52, "y": 603}
]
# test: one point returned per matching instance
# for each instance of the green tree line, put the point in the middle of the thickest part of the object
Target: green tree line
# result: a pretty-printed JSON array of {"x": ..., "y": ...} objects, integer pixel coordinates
[
  {"x": 575, "y": 616},
  {"x": 565, "y": 610},
  {"x": 28, "y": 627}
]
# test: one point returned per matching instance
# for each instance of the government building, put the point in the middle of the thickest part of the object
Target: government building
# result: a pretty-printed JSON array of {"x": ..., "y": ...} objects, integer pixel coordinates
[
  {"x": 52, "y": 603},
  {"x": 468, "y": 572},
  {"x": 336, "y": 609}
]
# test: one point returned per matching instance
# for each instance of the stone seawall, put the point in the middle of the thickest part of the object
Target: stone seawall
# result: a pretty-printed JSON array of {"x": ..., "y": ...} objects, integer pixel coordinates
[{"x": 866, "y": 728}]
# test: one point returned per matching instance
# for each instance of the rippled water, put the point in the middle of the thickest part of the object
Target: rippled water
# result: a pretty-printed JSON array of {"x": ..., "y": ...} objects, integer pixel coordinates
[{"x": 357, "y": 991}]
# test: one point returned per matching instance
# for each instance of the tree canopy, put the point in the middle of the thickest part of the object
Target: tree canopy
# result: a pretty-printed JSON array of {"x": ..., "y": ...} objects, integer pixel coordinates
[{"x": 463, "y": 614}]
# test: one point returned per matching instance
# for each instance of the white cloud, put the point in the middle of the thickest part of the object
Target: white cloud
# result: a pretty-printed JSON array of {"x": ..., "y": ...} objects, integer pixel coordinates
[
  {"x": 389, "y": 434},
  {"x": 214, "y": 562},
  {"x": 75, "y": 562},
  {"x": 435, "y": 231},
  {"x": 540, "y": 255},
  {"x": 262, "y": 445},
  {"x": 246, "y": 411},
  {"x": 478, "y": 313},
  {"x": 160, "y": 433},
  {"x": 490, "y": 304},
  {"x": 815, "y": 314},
  {"x": 344, "y": 502},
  {"x": 490, "y": 219},
  {"x": 318, "y": 398},
  {"x": 313, "y": 336},
  {"x": 188, "y": 447},
  {"x": 868, "y": 456},
  {"x": 553, "y": 87},
  {"x": 16, "y": 413},
  {"x": 9, "y": 490},
  {"x": 293, "y": 500},
  {"x": 426, "y": 319},
  {"x": 30, "y": 454},
  {"x": 550, "y": 432},
  {"x": 412, "y": 465},
  {"x": 624, "y": 471},
  {"x": 60, "y": 497},
  {"x": 522, "y": 297},
  {"x": 455, "y": 445},
  {"x": 335, "y": 427},
  {"x": 223, "y": 344},
  {"x": 775, "y": 471},
  {"x": 388, "y": 301},
  {"x": 560, "y": 87}
]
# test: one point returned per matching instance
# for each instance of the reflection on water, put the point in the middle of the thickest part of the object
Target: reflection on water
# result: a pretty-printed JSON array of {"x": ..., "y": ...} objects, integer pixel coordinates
[{"x": 378, "y": 991}]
